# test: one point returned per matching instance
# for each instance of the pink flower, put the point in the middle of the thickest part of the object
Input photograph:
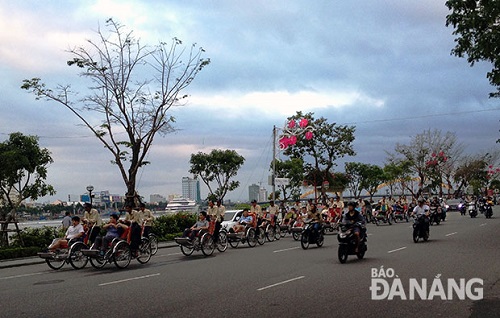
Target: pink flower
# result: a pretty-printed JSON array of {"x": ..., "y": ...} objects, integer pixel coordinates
[
  {"x": 309, "y": 135},
  {"x": 303, "y": 123},
  {"x": 284, "y": 141},
  {"x": 291, "y": 124},
  {"x": 445, "y": 158},
  {"x": 292, "y": 140},
  {"x": 433, "y": 155},
  {"x": 441, "y": 154}
]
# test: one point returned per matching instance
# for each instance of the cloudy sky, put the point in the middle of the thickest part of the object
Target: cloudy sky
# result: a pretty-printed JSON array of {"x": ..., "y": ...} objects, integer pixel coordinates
[{"x": 381, "y": 65}]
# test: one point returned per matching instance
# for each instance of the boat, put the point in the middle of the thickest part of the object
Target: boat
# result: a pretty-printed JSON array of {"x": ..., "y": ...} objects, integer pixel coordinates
[{"x": 182, "y": 205}]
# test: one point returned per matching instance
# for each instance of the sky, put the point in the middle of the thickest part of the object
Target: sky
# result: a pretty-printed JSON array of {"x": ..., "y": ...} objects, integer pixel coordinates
[{"x": 382, "y": 66}]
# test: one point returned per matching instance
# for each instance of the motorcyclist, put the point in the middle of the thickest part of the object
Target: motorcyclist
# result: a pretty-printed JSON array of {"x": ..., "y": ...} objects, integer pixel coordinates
[
  {"x": 435, "y": 206},
  {"x": 422, "y": 211},
  {"x": 355, "y": 221}
]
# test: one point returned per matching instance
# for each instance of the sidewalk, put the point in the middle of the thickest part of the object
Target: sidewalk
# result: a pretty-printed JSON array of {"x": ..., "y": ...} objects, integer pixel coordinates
[{"x": 33, "y": 260}]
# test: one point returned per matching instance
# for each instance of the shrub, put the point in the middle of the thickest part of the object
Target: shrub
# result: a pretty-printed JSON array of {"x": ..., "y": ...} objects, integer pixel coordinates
[
  {"x": 36, "y": 237},
  {"x": 166, "y": 227},
  {"x": 17, "y": 252}
]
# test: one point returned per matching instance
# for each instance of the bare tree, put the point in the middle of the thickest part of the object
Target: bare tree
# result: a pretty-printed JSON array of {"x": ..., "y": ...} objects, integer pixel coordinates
[{"x": 133, "y": 87}]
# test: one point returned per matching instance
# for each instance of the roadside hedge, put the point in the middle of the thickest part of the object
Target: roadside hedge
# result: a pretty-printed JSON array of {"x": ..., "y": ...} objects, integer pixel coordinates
[
  {"x": 166, "y": 227},
  {"x": 17, "y": 252}
]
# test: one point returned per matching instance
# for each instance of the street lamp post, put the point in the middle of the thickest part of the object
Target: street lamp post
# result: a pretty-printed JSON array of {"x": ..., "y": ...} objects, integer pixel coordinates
[{"x": 90, "y": 188}]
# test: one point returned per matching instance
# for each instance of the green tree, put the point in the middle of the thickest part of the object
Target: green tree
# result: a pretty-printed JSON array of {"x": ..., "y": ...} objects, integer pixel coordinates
[
  {"x": 23, "y": 174},
  {"x": 373, "y": 177},
  {"x": 132, "y": 89},
  {"x": 292, "y": 169},
  {"x": 330, "y": 142},
  {"x": 356, "y": 173},
  {"x": 219, "y": 166},
  {"x": 477, "y": 28},
  {"x": 421, "y": 153},
  {"x": 472, "y": 172}
]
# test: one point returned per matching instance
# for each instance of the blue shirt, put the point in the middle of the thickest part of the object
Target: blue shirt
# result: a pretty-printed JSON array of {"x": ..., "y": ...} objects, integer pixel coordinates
[{"x": 245, "y": 219}]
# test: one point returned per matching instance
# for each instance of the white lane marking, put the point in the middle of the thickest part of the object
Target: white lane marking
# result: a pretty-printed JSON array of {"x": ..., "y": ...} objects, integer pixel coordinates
[
  {"x": 19, "y": 276},
  {"x": 286, "y": 249},
  {"x": 369, "y": 234},
  {"x": 483, "y": 224},
  {"x": 450, "y": 234},
  {"x": 281, "y": 283},
  {"x": 398, "y": 249},
  {"x": 128, "y": 279}
]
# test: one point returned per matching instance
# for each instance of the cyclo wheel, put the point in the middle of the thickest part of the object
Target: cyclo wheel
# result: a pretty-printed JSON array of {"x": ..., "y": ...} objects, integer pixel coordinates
[
  {"x": 233, "y": 241},
  {"x": 144, "y": 251},
  {"x": 261, "y": 236},
  {"x": 270, "y": 233},
  {"x": 222, "y": 242},
  {"x": 277, "y": 232},
  {"x": 250, "y": 237},
  {"x": 153, "y": 240},
  {"x": 304, "y": 240},
  {"x": 207, "y": 244},
  {"x": 121, "y": 254},
  {"x": 187, "y": 249},
  {"x": 76, "y": 258},
  {"x": 97, "y": 262},
  {"x": 56, "y": 262}
]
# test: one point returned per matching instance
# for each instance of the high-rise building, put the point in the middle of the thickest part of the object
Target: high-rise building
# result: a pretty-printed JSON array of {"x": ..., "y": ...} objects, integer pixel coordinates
[
  {"x": 262, "y": 194},
  {"x": 191, "y": 188},
  {"x": 253, "y": 192}
]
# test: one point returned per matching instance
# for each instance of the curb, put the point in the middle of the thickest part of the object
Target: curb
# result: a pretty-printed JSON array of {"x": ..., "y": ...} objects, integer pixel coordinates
[{"x": 34, "y": 260}]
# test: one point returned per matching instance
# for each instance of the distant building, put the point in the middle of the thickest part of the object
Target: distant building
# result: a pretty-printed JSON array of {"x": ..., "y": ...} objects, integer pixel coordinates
[
  {"x": 157, "y": 198},
  {"x": 191, "y": 188},
  {"x": 253, "y": 192},
  {"x": 262, "y": 195}
]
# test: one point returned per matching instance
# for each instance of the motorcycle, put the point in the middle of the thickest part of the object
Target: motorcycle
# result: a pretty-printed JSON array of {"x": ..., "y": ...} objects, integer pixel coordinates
[
  {"x": 488, "y": 212},
  {"x": 420, "y": 230},
  {"x": 461, "y": 208},
  {"x": 435, "y": 216},
  {"x": 471, "y": 209},
  {"x": 347, "y": 242},
  {"x": 311, "y": 236}
]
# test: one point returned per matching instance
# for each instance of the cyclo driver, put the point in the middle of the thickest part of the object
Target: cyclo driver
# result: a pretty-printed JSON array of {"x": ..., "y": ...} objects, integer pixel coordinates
[{"x": 355, "y": 221}]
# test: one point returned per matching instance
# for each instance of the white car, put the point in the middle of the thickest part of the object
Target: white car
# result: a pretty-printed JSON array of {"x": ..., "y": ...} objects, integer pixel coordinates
[{"x": 231, "y": 217}]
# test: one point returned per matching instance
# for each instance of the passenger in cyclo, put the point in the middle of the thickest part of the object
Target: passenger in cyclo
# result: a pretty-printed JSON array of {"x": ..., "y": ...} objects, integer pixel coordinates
[
  {"x": 289, "y": 217},
  {"x": 244, "y": 221},
  {"x": 114, "y": 229},
  {"x": 198, "y": 228},
  {"x": 147, "y": 219},
  {"x": 74, "y": 232},
  {"x": 355, "y": 221}
]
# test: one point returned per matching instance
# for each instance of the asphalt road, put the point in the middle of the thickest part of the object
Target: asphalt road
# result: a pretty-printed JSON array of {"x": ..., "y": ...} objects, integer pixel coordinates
[{"x": 278, "y": 279}]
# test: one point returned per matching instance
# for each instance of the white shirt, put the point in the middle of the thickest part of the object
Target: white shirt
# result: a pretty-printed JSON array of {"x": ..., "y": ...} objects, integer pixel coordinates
[
  {"x": 73, "y": 231},
  {"x": 421, "y": 210}
]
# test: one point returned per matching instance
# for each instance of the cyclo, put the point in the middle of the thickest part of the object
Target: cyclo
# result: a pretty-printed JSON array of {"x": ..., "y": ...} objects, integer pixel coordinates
[
  {"x": 70, "y": 253},
  {"x": 204, "y": 241},
  {"x": 272, "y": 230},
  {"x": 118, "y": 252},
  {"x": 249, "y": 235}
]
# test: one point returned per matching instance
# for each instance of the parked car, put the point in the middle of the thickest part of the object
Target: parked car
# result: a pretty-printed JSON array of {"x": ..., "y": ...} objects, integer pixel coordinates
[{"x": 231, "y": 217}]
